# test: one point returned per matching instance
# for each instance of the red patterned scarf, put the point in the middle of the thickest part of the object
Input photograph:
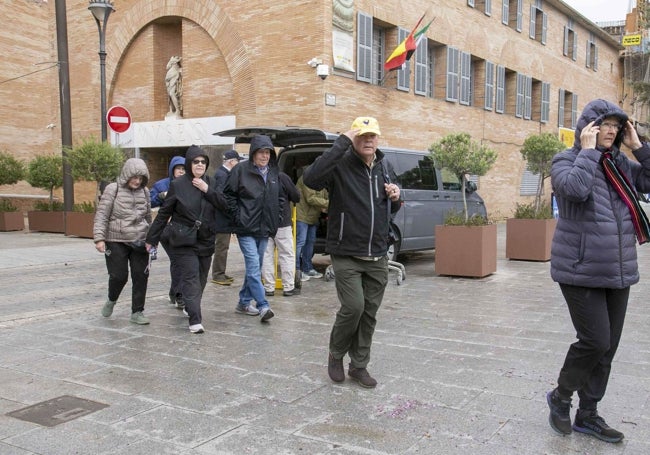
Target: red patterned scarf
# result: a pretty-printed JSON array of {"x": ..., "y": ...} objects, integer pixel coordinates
[{"x": 628, "y": 194}]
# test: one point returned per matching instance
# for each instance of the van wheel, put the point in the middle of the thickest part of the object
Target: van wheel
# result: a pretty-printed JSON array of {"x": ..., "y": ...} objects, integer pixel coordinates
[{"x": 393, "y": 250}]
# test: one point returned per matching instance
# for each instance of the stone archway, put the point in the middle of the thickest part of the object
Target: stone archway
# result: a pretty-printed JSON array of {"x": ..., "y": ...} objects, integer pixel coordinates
[{"x": 208, "y": 16}]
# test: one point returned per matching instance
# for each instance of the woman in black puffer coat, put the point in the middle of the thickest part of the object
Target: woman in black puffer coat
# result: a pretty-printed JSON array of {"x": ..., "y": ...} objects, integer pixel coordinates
[{"x": 190, "y": 197}]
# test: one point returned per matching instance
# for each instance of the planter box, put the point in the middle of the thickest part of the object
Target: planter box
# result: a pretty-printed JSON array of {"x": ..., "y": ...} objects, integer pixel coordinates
[
  {"x": 46, "y": 221},
  {"x": 79, "y": 224},
  {"x": 12, "y": 221},
  {"x": 529, "y": 240},
  {"x": 466, "y": 250}
]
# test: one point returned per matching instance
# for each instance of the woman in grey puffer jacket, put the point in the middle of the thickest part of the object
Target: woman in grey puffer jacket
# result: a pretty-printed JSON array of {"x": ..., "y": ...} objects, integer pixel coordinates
[
  {"x": 593, "y": 255},
  {"x": 121, "y": 224}
]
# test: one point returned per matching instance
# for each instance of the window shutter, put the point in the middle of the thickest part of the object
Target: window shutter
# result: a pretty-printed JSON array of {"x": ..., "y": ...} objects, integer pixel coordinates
[
  {"x": 545, "y": 107},
  {"x": 519, "y": 102},
  {"x": 529, "y": 183},
  {"x": 403, "y": 75},
  {"x": 528, "y": 97},
  {"x": 544, "y": 27},
  {"x": 565, "y": 48},
  {"x": 364, "y": 47},
  {"x": 588, "y": 58},
  {"x": 501, "y": 89},
  {"x": 520, "y": 14},
  {"x": 452, "y": 74},
  {"x": 421, "y": 67},
  {"x": 531, "y": 25},
  {"x": 560, "y": 108},
  {"x": 489, "y": 86},
  {"x": 505, "y": 12},
  {"x": 574, "y": 110},
  {"x": 465, "y": 78}
]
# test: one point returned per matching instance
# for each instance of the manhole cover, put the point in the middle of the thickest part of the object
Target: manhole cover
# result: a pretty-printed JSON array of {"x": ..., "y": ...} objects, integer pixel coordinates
[{"x": 57, "y": 410}]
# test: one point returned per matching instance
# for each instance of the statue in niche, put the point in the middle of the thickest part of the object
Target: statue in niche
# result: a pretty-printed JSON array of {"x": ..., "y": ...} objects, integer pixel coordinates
[{"x": 174, "y": 85}]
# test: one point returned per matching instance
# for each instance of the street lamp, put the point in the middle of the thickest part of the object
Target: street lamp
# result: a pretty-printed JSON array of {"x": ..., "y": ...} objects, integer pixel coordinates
[{"x": 101, "y": 10}]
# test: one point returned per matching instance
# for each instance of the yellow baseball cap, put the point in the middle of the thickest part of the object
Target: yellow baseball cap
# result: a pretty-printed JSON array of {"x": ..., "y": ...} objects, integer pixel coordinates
[{"x": 366, "y": 125}]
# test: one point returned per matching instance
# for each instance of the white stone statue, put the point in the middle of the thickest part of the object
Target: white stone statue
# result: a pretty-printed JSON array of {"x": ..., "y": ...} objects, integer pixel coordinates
[{"x": 174, "y": 85}]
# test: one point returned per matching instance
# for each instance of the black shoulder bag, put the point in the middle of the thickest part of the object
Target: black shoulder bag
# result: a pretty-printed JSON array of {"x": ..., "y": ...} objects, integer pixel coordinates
[{"x": 182, "y": 235}]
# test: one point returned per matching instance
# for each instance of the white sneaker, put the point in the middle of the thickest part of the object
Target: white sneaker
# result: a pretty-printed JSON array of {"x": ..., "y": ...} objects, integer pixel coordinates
[
  {"x": 266, "y": 313},
  {"x": 196, "y": 328},
  {"x": 314, "y": 274},
  {"x": 185, "y": 312},
  {"x": 304, "y": 277}
]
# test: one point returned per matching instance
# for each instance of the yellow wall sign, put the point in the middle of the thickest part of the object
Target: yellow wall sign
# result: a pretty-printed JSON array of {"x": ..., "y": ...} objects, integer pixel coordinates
[
  {"x": 567, "y": 136},
  {"x": 632, "y": 40}
]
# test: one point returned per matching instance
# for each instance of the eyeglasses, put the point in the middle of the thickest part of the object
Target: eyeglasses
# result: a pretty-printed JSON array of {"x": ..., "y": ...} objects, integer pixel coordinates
[
  {"x": 199, "y": 161},
  {"x": 611, "y": 126}
]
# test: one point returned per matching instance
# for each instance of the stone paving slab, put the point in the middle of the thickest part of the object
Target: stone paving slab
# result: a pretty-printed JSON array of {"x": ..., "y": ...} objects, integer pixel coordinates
[{"x": 462, "y": 364}]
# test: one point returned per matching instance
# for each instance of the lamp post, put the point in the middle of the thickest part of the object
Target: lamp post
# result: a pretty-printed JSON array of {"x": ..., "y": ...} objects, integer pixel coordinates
[{"x": 101, "y": 10}]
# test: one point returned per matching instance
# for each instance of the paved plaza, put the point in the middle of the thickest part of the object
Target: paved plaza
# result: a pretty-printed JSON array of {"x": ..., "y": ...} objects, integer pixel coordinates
[{"x": 463, "y": 364}]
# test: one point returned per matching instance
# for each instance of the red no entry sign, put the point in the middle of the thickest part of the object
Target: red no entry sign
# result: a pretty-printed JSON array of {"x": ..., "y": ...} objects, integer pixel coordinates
[{"x": 118, "y": 119}]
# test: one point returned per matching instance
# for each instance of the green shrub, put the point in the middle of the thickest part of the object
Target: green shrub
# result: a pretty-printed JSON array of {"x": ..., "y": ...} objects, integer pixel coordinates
[
  {"x": 11, "y": 170},
  {"x": 46, "y": 172},
  {"x": 463, "y": 156},
  {"x": 7, "y": 206},
  {"x": 538, "y": 151},
  {"x": 528, "y": 211},
  {"x": 84, "y": 207},
  {"x": 95, "y": 161},
  {"x": 454, "y": 218},
  {"x": 42, "y": 206}
]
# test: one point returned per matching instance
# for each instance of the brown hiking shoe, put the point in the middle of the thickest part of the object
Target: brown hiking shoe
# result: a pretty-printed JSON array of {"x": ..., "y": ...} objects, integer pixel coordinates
[
  {"x": 335, "y": 369},
  {"x": 362, "y": 376}
]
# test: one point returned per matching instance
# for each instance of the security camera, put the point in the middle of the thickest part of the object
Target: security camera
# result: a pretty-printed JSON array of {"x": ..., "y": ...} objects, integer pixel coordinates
[{"x": 323, "y": 71}]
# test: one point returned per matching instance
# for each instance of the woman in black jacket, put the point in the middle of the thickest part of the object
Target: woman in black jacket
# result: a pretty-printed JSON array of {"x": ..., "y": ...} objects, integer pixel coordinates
[{"x": 192, "y": 197}]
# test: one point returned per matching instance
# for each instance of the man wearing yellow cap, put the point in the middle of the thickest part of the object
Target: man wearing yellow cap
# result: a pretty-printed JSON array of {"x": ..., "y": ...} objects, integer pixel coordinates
[{"x": 362, "y": 198}]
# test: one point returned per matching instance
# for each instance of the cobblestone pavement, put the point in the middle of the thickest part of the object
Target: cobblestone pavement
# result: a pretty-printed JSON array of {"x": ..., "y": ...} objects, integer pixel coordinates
[{"x": 463, "y": 364}]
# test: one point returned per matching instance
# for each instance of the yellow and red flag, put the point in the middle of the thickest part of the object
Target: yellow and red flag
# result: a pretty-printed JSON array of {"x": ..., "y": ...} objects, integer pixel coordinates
[{"x": 405, "y": 49}]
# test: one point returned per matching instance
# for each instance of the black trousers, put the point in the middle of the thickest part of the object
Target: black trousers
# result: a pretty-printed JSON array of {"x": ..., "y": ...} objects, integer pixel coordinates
[
  {"x": 193, "y": 272},
  {"x": 598, "y": 316},
  {"x": 175, "y": 287},
  {"x": 122, "y": 257}
]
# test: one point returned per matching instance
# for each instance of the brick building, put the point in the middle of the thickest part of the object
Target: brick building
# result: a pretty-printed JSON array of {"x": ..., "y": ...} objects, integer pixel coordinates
[{"x": 499, "y": 70}]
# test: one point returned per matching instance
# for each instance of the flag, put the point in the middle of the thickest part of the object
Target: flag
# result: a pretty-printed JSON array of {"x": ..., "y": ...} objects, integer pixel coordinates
[
  {"x": 419, "y": 35},
  {"x": 403, "y": 51}
]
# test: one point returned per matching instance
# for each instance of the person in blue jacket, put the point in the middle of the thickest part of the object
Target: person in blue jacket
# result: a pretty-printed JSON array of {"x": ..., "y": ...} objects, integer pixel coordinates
[
  {"x": 158, "y": 193},
  {"x": 593, "y": 256},
  {"x": 159, "y": 189}
]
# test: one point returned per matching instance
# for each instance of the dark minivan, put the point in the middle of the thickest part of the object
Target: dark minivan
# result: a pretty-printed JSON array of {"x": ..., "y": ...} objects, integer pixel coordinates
[{"x": 429, "y": 193}]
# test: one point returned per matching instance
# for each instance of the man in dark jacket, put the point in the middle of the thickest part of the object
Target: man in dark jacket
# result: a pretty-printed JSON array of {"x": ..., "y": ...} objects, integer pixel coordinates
[
  {"x": 225, "y": 226},
  {"x": 362, "y": 198},
  {"x": 593, "y": 256},
  {"x": 252, "y": 192},
  {"x": 191, "y": 201}
]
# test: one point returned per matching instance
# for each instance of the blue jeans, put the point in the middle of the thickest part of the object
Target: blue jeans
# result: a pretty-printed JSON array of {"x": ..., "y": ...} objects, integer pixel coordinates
[
  {"x": 305, "y": 239},
  {"x": 253, "y": 250}
]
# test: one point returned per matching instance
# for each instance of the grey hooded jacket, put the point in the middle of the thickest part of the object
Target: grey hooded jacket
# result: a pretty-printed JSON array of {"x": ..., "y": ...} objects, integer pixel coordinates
[
  {"x": 594, "y": 243},
  {"x": 124, "y": 214}
]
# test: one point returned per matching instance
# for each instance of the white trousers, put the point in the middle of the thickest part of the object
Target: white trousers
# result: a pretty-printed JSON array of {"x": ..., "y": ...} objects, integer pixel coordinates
[{"x": 283, "y": 241}]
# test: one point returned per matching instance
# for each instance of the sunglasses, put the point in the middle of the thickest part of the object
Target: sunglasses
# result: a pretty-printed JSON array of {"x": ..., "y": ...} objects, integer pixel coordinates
[{"x": 199, "y": 161}]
